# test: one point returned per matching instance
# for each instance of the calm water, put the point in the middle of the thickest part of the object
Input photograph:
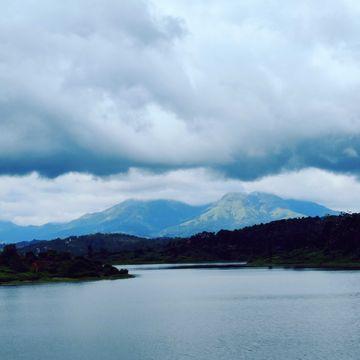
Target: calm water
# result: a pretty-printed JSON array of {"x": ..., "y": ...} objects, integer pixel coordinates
[{"x": 186, "y": 314}]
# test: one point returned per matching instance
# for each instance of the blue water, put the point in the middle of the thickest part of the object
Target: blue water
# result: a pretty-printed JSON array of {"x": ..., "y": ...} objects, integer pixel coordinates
[{"x": 186, "y": 314}]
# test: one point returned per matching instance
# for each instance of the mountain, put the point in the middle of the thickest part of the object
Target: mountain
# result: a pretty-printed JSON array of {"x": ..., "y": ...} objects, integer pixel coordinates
[
  {"x": 10, "y": 232},
  {"x": 156, "y": 218},
  {"x": 236, "y": 210},
  {"x": 134, "y": 217}
]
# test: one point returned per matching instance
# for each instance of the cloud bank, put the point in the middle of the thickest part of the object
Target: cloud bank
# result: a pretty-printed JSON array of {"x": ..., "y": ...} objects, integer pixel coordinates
[
  {"x": 33, "y": 199},
  {"x": 243, "y": 87}
]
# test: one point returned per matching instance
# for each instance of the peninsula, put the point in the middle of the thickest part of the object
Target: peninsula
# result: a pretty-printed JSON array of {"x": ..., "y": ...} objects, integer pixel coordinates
[{"x": 52, "y": 266}]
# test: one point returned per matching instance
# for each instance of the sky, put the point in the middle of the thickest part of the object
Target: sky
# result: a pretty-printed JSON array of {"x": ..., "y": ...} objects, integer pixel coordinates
[{"x": 187, "y": 100}]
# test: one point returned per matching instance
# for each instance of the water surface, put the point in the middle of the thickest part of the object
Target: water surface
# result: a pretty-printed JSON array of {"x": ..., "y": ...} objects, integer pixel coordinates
[{"x": 175, "y": 314}]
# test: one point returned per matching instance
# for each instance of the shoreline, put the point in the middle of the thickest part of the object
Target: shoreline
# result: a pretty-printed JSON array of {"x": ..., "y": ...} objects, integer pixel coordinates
[
  {"x": 59, "y": 280},
  {"x": 192, "y": 265},
  {"x": 240, "y": 265}
]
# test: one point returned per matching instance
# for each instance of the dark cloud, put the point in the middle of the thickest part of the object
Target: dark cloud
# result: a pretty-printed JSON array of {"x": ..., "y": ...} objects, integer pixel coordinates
[{"x": 241, "y": 87}]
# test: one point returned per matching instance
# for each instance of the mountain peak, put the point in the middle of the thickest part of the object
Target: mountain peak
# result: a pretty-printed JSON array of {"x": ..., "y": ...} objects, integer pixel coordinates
[
  {"x": 233, "y": 196},
  {"x": 241, "y": 196}
]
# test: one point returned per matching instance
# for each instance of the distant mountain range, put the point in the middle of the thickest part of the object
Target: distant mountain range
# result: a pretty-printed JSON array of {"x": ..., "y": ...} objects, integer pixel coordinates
[{"x": 165, "y": 218}]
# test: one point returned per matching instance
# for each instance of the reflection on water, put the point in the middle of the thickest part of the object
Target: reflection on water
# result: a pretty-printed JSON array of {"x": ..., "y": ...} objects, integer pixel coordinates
[
  {"x": 186, "y": 314},
  {"x": 212, "y": 265}
]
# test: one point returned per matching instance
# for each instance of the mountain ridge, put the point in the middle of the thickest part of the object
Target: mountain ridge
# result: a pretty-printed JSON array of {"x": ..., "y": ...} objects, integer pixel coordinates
[{"x": 171, "y": 218}]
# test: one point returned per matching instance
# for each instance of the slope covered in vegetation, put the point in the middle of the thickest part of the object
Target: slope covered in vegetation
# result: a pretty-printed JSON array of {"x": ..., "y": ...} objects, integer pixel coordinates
[
  {"x": 52, "y": 266},
  {"x": 327, "y": 241}
]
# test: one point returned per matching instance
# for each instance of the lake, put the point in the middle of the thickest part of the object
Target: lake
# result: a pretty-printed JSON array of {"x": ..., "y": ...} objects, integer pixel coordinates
[{"x": 172, "y": 314}]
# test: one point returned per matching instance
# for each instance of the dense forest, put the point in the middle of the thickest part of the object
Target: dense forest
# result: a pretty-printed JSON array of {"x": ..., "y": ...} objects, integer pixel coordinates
[{"x": 330, "y": 240}]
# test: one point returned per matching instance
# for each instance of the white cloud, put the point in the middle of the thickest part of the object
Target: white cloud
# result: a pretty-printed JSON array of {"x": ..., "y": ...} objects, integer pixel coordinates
[{"x": 35, "y": 200}]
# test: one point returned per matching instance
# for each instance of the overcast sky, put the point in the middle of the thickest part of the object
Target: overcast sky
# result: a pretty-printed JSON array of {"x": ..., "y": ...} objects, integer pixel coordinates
[{"x": 103, "y": 101}]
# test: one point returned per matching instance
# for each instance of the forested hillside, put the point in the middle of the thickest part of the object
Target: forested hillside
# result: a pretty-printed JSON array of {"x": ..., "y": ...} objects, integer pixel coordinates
[{"x": 312, "y": 240}]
